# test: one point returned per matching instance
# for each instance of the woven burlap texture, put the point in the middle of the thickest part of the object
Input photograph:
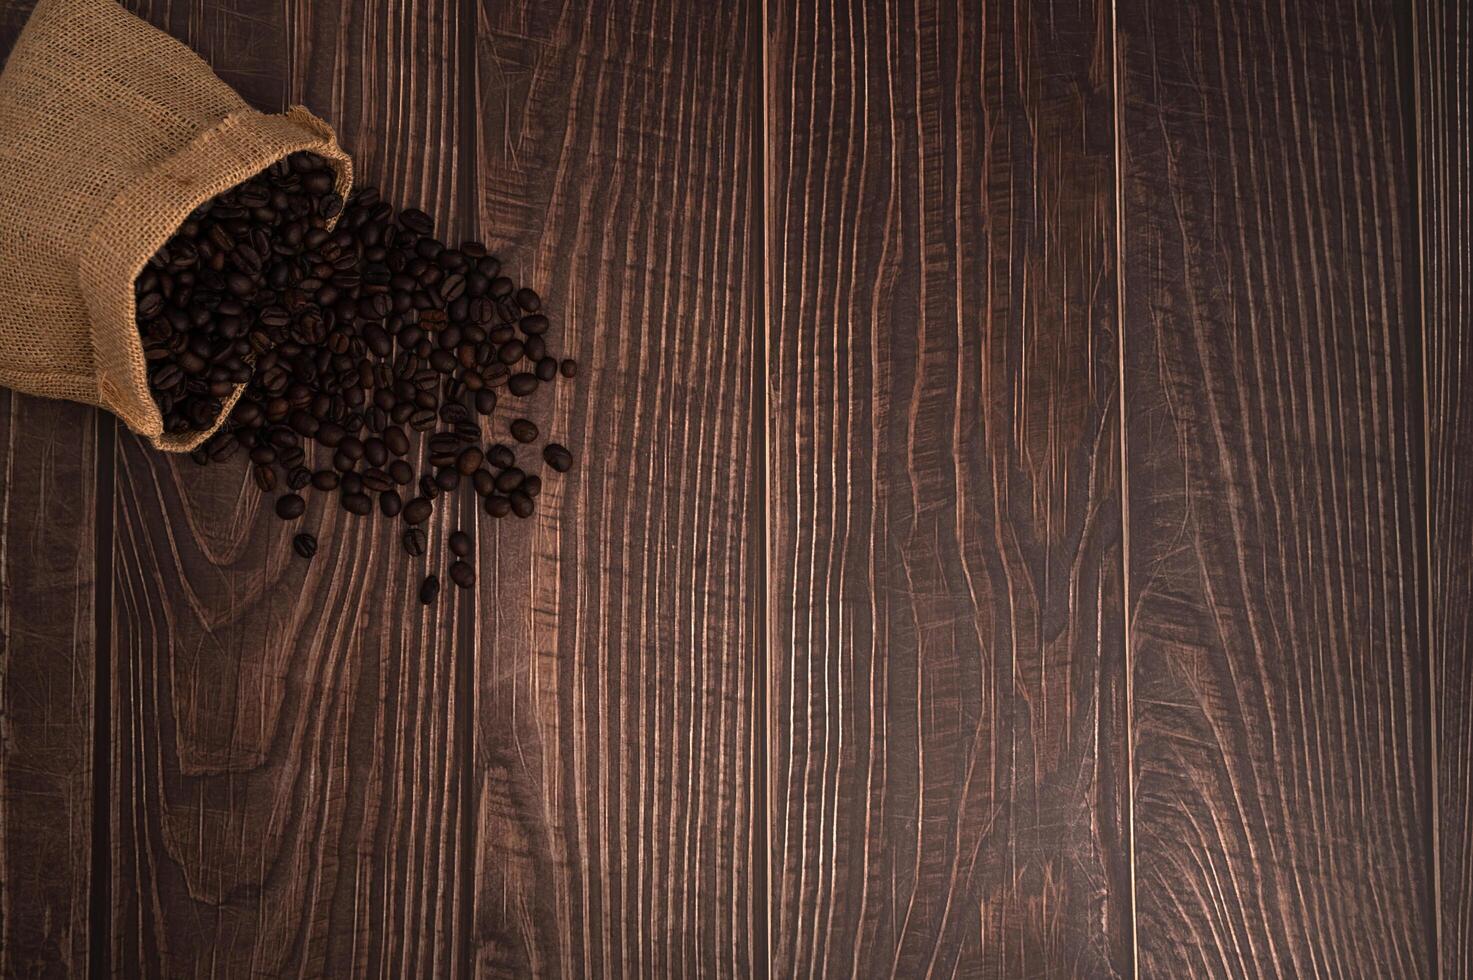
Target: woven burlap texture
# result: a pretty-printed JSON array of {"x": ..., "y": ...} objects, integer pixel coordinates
[{"x": 111, "y": 133}]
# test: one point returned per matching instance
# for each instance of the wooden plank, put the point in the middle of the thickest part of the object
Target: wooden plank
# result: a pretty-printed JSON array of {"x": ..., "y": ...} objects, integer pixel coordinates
[
  {"x": 48, "y": 567},
  {"x": 619, "y": 654},
  {"x": 287, "y": 737},
  {"x": 1444, "y": 74},
  {"x": 1274, "y": 506},
  {"x": 48, "y": 622},
  {"x": 949, "y": 677}
]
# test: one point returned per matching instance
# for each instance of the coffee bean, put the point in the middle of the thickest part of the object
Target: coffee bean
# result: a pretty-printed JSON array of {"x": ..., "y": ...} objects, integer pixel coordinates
[
  {"x": 511, "y": 352},
  {"x": 534, "y": 324},
  {"x": 305, "y": 545},
  {"x": 416, "y": 221},
  {"x": 532, "y": 486},
  {"x": 501, "y": 287},
  {"x": 460, "y": 543},
  {"x": 357, "y": 503},
  {"x": 414, "y": 542},
  {"x": 484, "y": 482},
  {"x": 377, "y": 480},
  {"x": 501, "y": 457},
  {"x": 290, "y": 506},
  {"x": 528, "y": 300},
  {"x": 401, "y": 472},
  {"x": 265, "y": 478},
  {"x": 299, "y": 477},
  {"x": 428, "y": 488},
  {"x": 557, "y": 457},
  {"x": 509, "y": 479},
  {"x": 447, "y": 479},
  {"x": 429, "y": 590},
  {"x": 485, "y": 401},
  {"x": 523, "y": 430},
  {"x": 418, "y": 510},
  {"x": 462, "y": 575},
  {"x": 331, "y": 435},
  {"x": 546, "y": 369},
  {"x": 422, "y": 420},
  {"x": 263, "y": 455},
  {"x": 470, "y": 460},
  {"x": 352, "y": 483},
  {"x": 390, "y": 503},
  {"x": 342, "y": 462},
  {"x": 376, "y": 452},
  {"x": 497, "y": 505},
  {"x": 326, "y": 480},
  {"x": 521, "y": 504},
  {"x": 522, "y": 384},
  {"x": 396, "y": 441}
]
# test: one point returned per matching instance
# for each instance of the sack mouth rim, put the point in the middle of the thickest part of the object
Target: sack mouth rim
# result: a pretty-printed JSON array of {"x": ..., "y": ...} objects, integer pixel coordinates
[{"x": 100, "y": 288}]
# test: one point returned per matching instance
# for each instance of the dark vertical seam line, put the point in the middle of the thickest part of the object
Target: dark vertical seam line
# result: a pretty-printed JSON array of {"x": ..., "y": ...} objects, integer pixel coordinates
[
  {"x": 99, "y": 896},
  {"x": 1118, "y": 101},
  {"x": 763, "y": 795},
  {"x": 467, "y": 156},
  {"x": 1412, "y": 101}
]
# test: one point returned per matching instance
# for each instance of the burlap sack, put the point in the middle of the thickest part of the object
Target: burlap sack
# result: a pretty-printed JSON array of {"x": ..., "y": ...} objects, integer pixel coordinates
[{"x": 111, "y": 133}]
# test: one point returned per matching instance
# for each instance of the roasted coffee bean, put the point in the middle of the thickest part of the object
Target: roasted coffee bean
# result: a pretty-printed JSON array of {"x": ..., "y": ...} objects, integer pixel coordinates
[
  {"x": 352, "y": 447},
  {"x": 532, "y": 486},
  {"x": 263, "y": 455},
  {"x": 509, "y": 479},
  {"x": 390, "y": 503},
  {"x": 484, "y": 482},
  {"x": 528, "y": 300},
  {"x": 416, "y": 221},
  {"x": 501, "y": 456},
  {"x": 378, "y": 481},
  {"x": 470, "y": 460},
  {"x": 521, "y": 504},
  {"x": 534, "y": 324},
  {"x": 352, "y": 483},
  {"x": 522, "y": 384},
  {"x": 299, "y": 477},
  {"x": 305, "y": 545},
  {"x": 418, "y": 510},
  {"x": 568, "y": 368},
  {"x": 422, "y": 420},
  {"x": 326, "y": 480},
  {"x": 290, "y": 506},
  {"x": 343, "y": 463},
  {"x": 523, "y": 430},
  {"x": 497, "y": 505},
  {"x": 429, "y": 590},
  {"x": 462, "y": 575},
  {"x": 396, "y": 441},
  {"x": 331, "y": 435},
  {"x": 546, "y": 369},
  {"x": 414, "y": 542},
  {"x": 376, "y": 452},
  {"x": 428, "y": 488},
  {"x": 357, "y": 503},
  {"x": 557, "y": 457},
  {"x": 401, "y": 472},
  {"x": 265, "y": 478},
  {"x": 447, "y": 479},
  {"x": 460, "y": 544},
  {"x": 485, "y": 401}
]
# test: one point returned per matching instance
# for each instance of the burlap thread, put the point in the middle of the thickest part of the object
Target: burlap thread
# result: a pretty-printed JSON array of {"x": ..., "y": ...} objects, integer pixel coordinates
[{"x": 111, "y": 133}]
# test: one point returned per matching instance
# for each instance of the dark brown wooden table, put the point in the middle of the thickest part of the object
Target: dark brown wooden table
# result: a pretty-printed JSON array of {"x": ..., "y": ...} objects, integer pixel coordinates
[{"x": 1022, "y": 526}]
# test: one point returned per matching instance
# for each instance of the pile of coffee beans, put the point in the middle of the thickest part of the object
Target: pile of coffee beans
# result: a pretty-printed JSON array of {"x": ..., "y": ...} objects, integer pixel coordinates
[{"x": 371, "y": 354}]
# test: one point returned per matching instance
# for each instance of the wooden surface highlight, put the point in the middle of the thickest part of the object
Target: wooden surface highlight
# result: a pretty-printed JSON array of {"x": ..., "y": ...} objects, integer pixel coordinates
[
  {"x": 619, "y": 645},
  {"x": 1276, "y": 512},
  {"x": 949, "y": 679},
  {"x": 1444, "y": 74}
]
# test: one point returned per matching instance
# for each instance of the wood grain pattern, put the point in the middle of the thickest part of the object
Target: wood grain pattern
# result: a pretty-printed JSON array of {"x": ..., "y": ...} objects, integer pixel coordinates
[
  {"x": 947, "y": 634},
  {"x": 1275, "y": 506},
  {"x": 48, "y": 508},
  {"x": 619, "y": 654},
  {"x": 287, "y": 741},
  {"x": 48, "y": 623},
  {"x": 1443, "y": 76}
]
